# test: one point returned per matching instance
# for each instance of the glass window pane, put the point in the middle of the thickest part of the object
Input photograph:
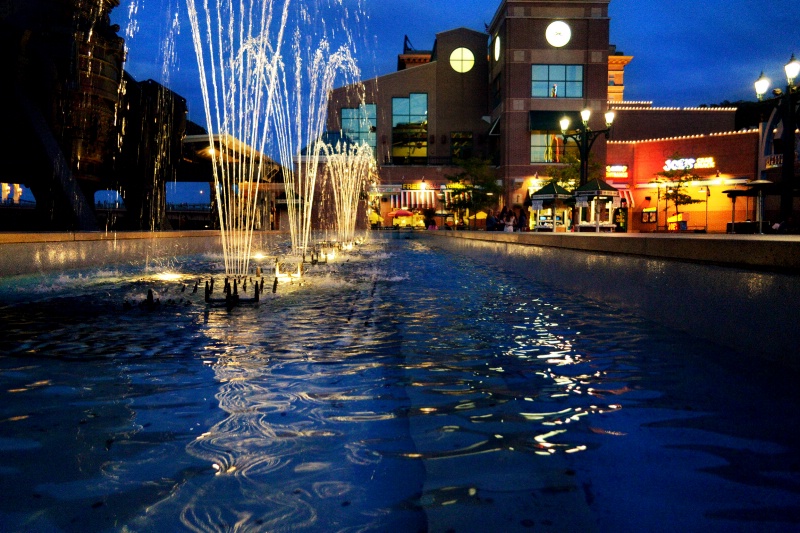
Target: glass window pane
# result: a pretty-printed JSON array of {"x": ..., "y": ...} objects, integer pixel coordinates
[
  {"x": 539, "y": 73},
  {"x": 574, "y": 90},
  {"x": 558, "y": 72},
  {"x": 556, "y": 81},
  {"x": 400, "y": 106},
  {"x": 541, "y": 89},
  {"x": 575, "y": 72},
  {"x": 418, "y": 104}
]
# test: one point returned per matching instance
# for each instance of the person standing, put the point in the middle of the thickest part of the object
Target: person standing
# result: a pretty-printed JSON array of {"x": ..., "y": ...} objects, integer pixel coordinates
[
  {"x": 491, "y": 221},
  {"x": 509, "y": 222},
  {"x": 522, "y": 220},
  {"x": 501, "y": 219}
]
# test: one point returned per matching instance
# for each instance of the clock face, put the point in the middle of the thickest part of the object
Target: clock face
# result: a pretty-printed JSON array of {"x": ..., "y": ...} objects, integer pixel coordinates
[
  {"x": 558, "y": 33},
  {"x": 462, "y": 60},
  {"x": 497, "y": 48}
]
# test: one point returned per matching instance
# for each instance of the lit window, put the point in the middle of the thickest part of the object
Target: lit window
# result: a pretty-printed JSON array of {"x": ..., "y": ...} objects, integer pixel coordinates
[
  {"x": 410, "y": 129},
  {"x": 462, "y": 60},
  {"x": 461, "y": 144},
  {"x": 557, "y": 81},
  {"x": 548, "y": 147},
  {"x": 360, "y": 124}
]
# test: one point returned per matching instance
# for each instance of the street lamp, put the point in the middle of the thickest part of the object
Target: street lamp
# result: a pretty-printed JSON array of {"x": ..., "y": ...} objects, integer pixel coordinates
[
  {"x": 785, "y": 112},
  {"x": 585, "y": 138}
]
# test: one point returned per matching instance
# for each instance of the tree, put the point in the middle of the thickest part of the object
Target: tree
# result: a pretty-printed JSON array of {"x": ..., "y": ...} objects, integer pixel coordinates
[
  {"x": 477, "y": 185},
  {"x": 676, "y": 176},
  {"x": 568, "y": 174}
]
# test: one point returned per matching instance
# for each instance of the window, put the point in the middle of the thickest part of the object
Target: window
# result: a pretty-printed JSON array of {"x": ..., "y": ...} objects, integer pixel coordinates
[
  {"x": 550, "y": 147},
  {"x": 360, "y": 124},
  {"x": 410, "y": 129},
  {"x": 462, "y": 60},
  {"x": 461, "y": 144},
  {"x": 557, "y": 81}
]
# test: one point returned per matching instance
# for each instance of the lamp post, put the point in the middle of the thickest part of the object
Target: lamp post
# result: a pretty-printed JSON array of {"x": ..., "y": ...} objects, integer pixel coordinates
[
  {"x": 585, "y": 138},
  {"x": 785, "y": 112}
]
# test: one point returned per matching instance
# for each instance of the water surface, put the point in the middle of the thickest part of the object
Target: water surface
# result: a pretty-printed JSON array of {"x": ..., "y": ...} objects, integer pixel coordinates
[{"x": 400, "y": 388}]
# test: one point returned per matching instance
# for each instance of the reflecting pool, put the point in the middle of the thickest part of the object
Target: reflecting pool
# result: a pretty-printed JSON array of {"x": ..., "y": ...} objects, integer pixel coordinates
[{"x": 398, "y": 388}]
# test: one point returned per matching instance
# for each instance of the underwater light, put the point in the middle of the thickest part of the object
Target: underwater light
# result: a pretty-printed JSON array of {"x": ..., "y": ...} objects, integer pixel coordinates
[{"x": 168, "y": 276}]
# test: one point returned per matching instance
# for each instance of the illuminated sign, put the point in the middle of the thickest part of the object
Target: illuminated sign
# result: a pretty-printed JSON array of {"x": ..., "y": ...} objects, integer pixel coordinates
[
  {"x": 689, "y": 163},
  {"x": 774, "y": 161},
  {"x": 616, "y": 171},
  {"x": 418, "y": 186}
]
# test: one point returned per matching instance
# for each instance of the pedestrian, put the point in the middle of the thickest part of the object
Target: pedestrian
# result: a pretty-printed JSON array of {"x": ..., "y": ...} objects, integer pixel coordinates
[
  {"x": 522, "y": 220},
  {"x": 491, "y": 221},
  {"x": 501, "y": 219},
  {"x": 509, "y": 222}
]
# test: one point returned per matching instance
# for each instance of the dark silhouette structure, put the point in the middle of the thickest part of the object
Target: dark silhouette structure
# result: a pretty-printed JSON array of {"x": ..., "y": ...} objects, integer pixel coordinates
[{"x": 76, "y": 123}]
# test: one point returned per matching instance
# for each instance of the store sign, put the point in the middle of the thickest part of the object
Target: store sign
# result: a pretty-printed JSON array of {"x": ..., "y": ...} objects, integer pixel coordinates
[
  {"x": 774, "y": 161},
  {"x": 417, "y": 186},
  {"x": 616, "y": 171},
  {"x": 689, "y": 163}
]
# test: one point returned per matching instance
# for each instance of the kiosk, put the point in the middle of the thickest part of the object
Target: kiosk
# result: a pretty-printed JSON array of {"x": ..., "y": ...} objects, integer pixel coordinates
[
  {"x": 550, "y": 208},
  {"x": 596, "y": 202}
]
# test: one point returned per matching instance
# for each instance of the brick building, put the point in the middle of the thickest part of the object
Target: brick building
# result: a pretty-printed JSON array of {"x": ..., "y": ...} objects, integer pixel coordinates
[{"x": 500, "y": 94}]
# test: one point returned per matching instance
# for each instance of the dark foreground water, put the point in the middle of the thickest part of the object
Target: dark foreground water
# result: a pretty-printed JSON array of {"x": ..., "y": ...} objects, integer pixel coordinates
[{"x": 399, "y": 389}]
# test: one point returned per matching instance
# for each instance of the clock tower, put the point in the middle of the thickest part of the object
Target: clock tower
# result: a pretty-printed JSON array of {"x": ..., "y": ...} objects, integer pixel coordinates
[{"x": 548, "y": 59}]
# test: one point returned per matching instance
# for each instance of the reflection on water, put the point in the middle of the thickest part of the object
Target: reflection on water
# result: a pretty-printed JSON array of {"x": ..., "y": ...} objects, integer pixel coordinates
[{"x": 397, "y": 389}]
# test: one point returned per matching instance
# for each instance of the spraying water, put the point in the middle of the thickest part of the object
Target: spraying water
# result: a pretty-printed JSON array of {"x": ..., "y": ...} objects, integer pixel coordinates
[
  {"x": 301, "y": 117},
  {"x": 257, "y": 100},
  {"x": 238, "y": 49},
  {"x": 350, "y": 168}
]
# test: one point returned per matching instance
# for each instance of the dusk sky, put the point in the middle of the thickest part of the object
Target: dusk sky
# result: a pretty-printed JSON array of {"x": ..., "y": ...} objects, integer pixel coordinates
[{"x": 685, "y": 53}]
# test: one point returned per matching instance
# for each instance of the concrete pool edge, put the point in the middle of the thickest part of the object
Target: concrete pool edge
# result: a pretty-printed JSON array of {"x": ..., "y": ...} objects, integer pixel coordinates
[
  {"x": 749, "y": 311},
  {"x": 778, "y": 253},
  {"x": 32, "y": 253}
]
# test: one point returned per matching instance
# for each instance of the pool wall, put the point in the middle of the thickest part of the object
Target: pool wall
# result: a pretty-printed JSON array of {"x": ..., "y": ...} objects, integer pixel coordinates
[
  {"x": 740, "y": 293},
  {"x": 31, "y": 253}
]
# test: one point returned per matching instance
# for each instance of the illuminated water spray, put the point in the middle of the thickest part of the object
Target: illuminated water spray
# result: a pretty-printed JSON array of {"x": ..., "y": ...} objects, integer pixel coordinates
[
  {"x": 238, "y": 48},
  {"x": 350, "y": 168},
  {"x": 300, "y": 118},
  {"x": 256, "y": 97}
]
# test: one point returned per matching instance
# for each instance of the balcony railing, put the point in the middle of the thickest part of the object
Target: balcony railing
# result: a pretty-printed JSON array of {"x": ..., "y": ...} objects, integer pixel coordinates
[{"x": 419, "y": 161}]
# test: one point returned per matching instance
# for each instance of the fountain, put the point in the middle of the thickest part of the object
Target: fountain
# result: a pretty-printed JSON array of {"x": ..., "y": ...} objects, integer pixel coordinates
[
  {"x": 403, "y": 390},
  {"x": 350, "y": 168},
  {"x": 266, "y": 99}
]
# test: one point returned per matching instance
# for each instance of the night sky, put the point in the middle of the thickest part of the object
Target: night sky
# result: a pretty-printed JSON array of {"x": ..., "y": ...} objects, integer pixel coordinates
[{"x": 685, "y": 53}]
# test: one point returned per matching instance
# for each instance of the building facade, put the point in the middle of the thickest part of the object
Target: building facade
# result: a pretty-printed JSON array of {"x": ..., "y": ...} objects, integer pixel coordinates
[
  {"x": 547, "y": 60},
  {"x": 500, "y": 95}
]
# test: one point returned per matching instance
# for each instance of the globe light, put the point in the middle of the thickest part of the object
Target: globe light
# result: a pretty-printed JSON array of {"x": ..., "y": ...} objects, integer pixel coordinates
[
  {"x": 762, "y": 86},
  {"x": 585, "y": 114},
  {"x": 564, "y": 124},
  {"x": 610, "y": 118},
  {"x": 792, "y": 69}
]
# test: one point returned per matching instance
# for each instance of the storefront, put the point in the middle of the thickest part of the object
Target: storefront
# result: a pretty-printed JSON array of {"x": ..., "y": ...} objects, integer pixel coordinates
[{"x": 718, "y": 163}]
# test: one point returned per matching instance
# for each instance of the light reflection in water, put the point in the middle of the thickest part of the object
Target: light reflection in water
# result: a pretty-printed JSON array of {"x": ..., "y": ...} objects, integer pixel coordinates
[{"x": 393, "y": 386}]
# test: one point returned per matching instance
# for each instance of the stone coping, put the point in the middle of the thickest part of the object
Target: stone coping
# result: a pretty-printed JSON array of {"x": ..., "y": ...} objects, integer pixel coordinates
[
  {"x": 779, "y": 253},
  {"x": 45, "y": 237}
]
